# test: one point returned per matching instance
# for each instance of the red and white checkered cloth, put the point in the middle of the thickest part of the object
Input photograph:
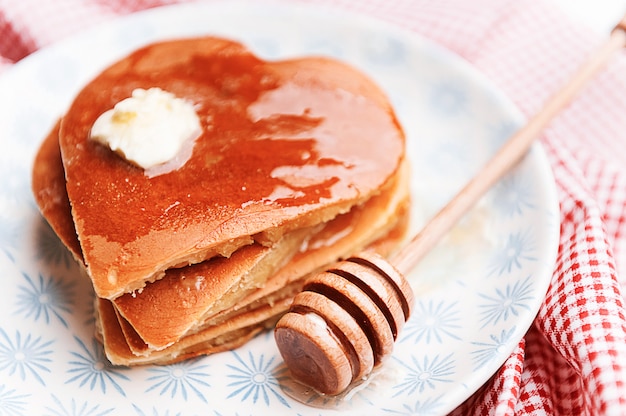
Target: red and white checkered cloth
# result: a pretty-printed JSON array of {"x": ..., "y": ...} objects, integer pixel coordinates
[{"x": 573, "y": 359}]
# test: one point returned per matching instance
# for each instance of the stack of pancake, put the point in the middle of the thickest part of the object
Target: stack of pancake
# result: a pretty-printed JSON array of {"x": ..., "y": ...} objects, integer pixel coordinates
[{"x": 300, "y": 163}]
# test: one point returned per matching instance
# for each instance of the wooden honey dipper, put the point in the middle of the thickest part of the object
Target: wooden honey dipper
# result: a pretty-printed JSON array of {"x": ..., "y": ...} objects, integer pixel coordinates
[{"x": 345, "y": 321}]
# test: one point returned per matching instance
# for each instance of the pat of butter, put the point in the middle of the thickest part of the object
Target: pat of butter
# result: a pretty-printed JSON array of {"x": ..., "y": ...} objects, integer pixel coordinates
[{"x": 149, "y": 128}]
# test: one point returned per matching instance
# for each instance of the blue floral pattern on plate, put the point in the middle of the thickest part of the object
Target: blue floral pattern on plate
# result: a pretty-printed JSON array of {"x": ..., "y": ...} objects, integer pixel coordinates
[
  {"x": 25, "y": 356},
  {"x": 181, "y": 379},
  {"x": 477, "y": 292}
]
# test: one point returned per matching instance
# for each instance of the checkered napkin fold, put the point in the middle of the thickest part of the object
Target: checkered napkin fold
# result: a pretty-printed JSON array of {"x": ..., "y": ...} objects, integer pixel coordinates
[{"x": 573, "y": 359}]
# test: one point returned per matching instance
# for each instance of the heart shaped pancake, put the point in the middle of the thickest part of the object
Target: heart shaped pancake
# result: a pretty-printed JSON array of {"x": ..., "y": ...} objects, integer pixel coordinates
[{"x": 284, "y": 145}]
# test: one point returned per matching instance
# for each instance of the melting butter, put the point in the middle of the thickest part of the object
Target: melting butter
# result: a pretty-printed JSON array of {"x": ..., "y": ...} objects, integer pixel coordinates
[{"x": 149, "y": 128}]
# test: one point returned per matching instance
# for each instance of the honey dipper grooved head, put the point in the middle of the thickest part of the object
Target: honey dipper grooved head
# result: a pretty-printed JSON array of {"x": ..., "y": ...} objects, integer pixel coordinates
[{"x": 344, "y": 323}]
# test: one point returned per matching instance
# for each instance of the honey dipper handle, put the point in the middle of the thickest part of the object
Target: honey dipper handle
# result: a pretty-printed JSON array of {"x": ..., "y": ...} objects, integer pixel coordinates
[{"x": 507, "y": 157}]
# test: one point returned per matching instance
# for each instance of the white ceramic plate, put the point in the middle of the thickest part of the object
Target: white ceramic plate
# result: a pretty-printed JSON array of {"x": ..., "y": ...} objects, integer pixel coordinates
[{"x": 478, "y": 292}]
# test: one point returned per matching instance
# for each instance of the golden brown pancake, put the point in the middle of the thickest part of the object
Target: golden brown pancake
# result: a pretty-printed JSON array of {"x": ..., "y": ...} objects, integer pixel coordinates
[
  {"x": 285, "y": 145},
  {"x": 224, "y": 331},
  {"x": 48, "y": 185},
  {"x": 166, "y": 310},
  {"x": 300, "y": 162},
  {"x": 118, "y": 352}
]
